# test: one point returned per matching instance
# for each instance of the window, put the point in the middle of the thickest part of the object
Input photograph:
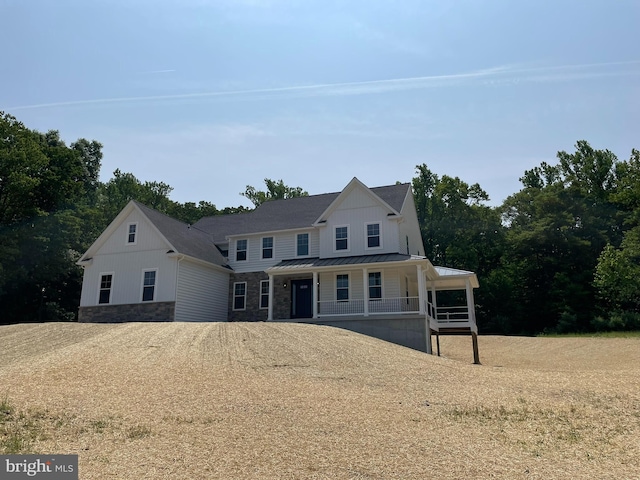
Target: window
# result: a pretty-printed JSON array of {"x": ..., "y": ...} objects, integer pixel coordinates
[
  {"x": 241, "y": 250},
  {"x": 342, "y": 288},
  {"x": 375, "y": 285},
  {"x": 132, "y": 229},
  {"x": 264, "y": 294},
  {"x": 104, "y": 295},
  {"x": 148, "y": 285},
  {"x": 267, "y": 247},
  {"x": 342, "y": 238},
  {"x": 373, "y": 235},
  {"x": 239, "y": 295},
  {"x": 302, "y": 242}
]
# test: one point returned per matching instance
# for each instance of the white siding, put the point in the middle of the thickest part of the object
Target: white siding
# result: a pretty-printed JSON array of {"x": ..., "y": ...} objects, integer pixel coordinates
[
  {"x": 284, "y": 248},
  {"x": 410, "y": 229},
  {"x": 127, "y": 270},
  {"x": 147, "y": 237},
  {"x": 357, "y": 219},
  {"x": 392, "y": 283},
  {"x": 202, "y": 295}
]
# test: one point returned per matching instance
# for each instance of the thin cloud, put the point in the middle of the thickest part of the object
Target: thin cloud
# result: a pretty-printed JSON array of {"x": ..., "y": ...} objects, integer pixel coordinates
[
  {"x": 152, "y": 72},
  {"x": 504, "y": 74}
]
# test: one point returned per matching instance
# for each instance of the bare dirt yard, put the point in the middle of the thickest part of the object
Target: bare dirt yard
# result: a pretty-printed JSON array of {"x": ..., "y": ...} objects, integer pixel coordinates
[{"x": 269, "y": 400}]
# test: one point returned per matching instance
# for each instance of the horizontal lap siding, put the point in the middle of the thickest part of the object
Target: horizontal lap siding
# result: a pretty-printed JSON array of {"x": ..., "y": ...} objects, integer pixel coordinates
[
  {"x": 409, "y": 231},
  {"x": 284, "y": 248},
  {"x": 202, "y": 294},
  {"x": 392, "y": 284},
  {"x": 127, "y": 271}
]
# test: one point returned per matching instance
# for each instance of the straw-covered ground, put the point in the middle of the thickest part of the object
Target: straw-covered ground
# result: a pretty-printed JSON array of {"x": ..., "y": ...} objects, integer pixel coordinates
[{"x": 269, "y": 400}]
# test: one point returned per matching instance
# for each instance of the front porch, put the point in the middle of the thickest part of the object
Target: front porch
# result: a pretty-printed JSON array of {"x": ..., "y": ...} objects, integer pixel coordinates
[{"x": 375, "y": 290}]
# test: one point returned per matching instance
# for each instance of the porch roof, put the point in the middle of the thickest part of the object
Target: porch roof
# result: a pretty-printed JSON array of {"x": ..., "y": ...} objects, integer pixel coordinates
[
  {"x": 442, "y": 277},
  {"x": 300, "y": 264},
  {"x": 453, "y": 278}
]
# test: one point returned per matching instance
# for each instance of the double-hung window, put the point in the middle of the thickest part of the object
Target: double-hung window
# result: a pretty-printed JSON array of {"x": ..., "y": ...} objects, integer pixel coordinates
[
  {"x": 267, "y": 247},
  {"x": 239, "y": 295},
  {"x": 375, "y": 285},
  {"x": 342, "y": 288},
  {"x": 342, "y": 238},
  {"x": 132, "y": 230},
  {"x": 264, "y": 294},
  {"x": 373, "y": 235},
  {"x": 148, "y": 285},
  {"x": 302, "y": 244},
  {"x": 106, "y": 282},
  {"x": 241, "y": 250}
]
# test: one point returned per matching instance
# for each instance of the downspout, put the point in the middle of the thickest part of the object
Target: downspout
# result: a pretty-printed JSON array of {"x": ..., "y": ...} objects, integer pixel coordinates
[{"x": 179, "y": 258}]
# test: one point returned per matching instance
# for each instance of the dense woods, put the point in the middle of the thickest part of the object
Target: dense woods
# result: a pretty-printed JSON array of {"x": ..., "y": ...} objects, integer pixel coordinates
[{"x": 560, "y": 255}]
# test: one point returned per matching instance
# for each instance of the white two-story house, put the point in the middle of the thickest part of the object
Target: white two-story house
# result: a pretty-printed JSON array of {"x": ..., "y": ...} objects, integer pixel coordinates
[{"x": 353, "y": 259}]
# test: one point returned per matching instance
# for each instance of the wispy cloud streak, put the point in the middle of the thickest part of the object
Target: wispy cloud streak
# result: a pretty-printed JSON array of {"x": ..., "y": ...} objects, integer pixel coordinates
[{"x": 495, "y": 75}]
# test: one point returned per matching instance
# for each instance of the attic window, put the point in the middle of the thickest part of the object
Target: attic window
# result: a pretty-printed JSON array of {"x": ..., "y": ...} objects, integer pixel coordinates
[{"x": 132, "y": 230}]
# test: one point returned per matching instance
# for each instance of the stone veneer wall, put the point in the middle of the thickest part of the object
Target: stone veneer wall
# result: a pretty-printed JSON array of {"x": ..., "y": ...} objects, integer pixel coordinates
[
  {"x": 252, "y": 311},
  {"x": 134, "y": 312},
  {"x": 282, "y": 298}
]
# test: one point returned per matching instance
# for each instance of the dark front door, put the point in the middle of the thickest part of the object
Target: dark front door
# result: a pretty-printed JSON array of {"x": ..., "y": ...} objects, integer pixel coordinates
[{"x": 301, "y": 298}]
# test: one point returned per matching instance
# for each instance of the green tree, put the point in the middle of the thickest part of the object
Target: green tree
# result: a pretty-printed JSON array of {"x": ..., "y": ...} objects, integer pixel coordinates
[
  {"x": 276, "y": 190},
  {"x": 22, "y": 163},
  {"x": 43, "y": 204},
  {"x": 617, "y": 274},
  {"x": 460, "y": 231},
  {"x": 557, "y": 226}
]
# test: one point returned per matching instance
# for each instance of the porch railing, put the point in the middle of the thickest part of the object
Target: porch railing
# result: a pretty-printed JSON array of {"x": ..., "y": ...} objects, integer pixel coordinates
[
  {"x": 375, "y": 306},
  {"x": 452, "y": 317}
]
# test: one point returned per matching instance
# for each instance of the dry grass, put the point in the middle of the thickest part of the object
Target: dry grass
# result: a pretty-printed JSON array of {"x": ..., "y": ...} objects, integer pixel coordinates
[{"x": 191, "y": 401}]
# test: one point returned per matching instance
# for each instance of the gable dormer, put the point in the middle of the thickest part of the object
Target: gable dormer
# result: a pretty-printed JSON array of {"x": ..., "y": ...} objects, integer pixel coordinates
[{"x": 358, "y": 222}]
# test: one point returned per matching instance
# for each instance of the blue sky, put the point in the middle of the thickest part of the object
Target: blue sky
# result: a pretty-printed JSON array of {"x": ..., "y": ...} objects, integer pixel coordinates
[{"x": 211, "y": 96}]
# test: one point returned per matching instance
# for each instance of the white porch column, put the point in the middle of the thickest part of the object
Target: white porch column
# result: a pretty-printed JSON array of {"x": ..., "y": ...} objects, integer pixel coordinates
[
  {"x": 434, "y": 302},
  {"x": 365, "y": 281},
  {"x": 314, "y": 295},
  {"x": 471, "y": 308},
  {"x": 270, "y": 309},
  {"x": 421, "y": 290}
]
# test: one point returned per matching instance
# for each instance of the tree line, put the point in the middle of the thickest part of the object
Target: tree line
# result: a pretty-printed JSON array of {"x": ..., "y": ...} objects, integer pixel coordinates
[{"x": 562, "y": 254}]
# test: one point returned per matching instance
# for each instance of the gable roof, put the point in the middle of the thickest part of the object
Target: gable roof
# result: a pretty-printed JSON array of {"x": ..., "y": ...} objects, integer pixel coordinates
[
  {"x": 184, "y": 238},
  {"x": 353, "y": 184},
  {"x": 180, "y": 237},
  {"x": 289, "y": 214}
]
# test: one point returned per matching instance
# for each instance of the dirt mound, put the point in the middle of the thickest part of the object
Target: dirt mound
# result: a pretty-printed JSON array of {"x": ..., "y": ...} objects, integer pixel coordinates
[{"x": 271, "y": 400}]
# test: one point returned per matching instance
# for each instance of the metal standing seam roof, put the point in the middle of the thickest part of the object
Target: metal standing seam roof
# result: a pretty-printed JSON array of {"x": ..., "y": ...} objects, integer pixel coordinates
[
  {"x": 186, "y": 239},
  {"x": 289, "y": 214},
  {"x": 450, "y": 276},
  {"x": 315, "y": 262}
]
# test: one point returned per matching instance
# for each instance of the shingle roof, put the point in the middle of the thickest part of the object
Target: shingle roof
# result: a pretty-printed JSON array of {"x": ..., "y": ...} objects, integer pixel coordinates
[
  {"x": 185, "y": 239},
  {"x": 299, "y": 212}
]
